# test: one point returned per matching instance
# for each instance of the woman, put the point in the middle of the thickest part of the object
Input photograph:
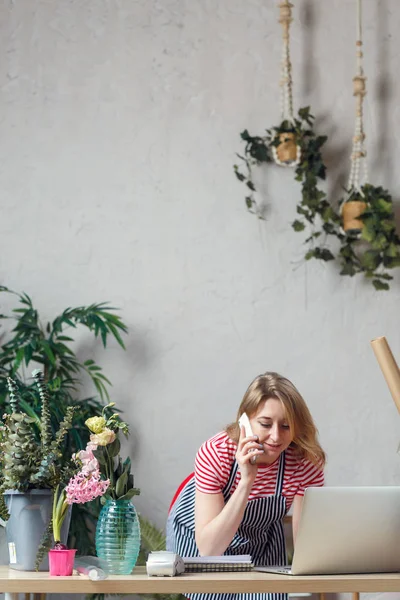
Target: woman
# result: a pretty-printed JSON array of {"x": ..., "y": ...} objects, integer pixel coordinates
[{"x": 243, "y": 486}]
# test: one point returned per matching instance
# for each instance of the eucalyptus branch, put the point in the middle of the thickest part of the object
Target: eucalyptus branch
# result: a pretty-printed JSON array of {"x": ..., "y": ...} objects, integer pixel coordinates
[{"x": 45, "y": 413}]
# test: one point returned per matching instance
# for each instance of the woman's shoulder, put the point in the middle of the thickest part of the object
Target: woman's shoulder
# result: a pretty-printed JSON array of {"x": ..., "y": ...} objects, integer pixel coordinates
[
  {"x": 300, "y": 466},
  {"x": 220, "y": 444},
  {"x": 300, "y": 462}
]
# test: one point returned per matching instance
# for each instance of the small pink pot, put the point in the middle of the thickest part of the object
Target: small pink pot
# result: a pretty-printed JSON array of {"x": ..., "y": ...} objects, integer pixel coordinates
[{"x": 61, "y": 562}]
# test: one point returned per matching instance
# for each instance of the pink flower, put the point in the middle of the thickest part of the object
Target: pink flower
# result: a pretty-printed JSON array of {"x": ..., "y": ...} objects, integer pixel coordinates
[
  {"x": 107, "y": 436},
  {"x": 87, "y": 458},
  {"x": 85, "y": 487}
]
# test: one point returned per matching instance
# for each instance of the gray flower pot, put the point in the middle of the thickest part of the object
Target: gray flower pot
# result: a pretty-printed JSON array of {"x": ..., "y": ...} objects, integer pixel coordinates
[{"x": 30, "y": 513}]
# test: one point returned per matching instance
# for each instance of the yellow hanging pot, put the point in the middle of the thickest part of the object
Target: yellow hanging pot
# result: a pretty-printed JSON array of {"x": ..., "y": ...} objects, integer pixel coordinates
[
  {"x": 351, "y": 211},
  {"x": 287, "y": 153}
]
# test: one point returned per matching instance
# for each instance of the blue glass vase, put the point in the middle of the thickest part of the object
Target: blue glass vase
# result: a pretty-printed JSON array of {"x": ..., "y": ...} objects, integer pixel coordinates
[{"x": 118, "y": 537}]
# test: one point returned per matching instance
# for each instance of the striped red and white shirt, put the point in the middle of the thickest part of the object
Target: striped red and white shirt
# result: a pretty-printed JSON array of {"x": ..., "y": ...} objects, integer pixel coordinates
[{"x": 214, "y": 462}]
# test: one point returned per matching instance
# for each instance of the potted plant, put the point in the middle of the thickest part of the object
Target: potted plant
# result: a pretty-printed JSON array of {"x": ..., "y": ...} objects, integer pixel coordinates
[
  {"x": 31, "y": 469},
  {"x": 27, "y": 338},
  {"x": 351, "y": 210},
  {"x": 84, "y": 486},
  {"x": 369, "y": 243},
  {"x": 118, "y": 529},
  {"x": 293, "y": 144}
]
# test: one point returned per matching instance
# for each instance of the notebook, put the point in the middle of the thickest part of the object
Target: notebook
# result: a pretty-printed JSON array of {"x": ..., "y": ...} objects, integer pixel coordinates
[
  {"x": 346, "y": 530},
  {"x": 206, "y": 564}
]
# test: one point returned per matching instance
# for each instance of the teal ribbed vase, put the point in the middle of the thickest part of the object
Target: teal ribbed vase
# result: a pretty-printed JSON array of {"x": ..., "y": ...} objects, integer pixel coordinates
[{"x": 118, "y": 537}]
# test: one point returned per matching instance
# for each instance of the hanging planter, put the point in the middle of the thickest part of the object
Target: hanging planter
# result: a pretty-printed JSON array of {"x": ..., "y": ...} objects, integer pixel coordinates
[
  {"x": 375, "y": 248},
  {"x": 351, "y": 210},
  {"x": 313, "y": 209},
  {"x": 293, "y": 144},
  {"x": 369, "y": 243},
  {"x": 286, "y": 151}
]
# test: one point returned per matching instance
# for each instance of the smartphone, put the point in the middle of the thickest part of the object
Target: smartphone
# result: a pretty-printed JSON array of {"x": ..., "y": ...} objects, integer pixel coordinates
[{"x": 244, "y": 421}]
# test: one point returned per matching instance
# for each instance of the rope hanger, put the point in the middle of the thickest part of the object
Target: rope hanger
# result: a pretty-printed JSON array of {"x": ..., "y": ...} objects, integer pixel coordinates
[
  {"x": 359, "y": 153},
  {"x": 285, "y": 18}
]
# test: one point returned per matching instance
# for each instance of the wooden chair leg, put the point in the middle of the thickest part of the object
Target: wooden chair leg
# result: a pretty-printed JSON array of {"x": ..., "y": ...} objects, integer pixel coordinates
[{"x": 356, "y": 596}]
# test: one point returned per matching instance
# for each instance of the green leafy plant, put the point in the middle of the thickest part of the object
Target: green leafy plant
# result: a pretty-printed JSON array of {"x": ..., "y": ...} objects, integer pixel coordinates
[
  {"x": 26, "y": 462},
  {"x": 27, "y": 340},
  {"x": 313, "y": 209},
  {"x": 376, "y": 249}
]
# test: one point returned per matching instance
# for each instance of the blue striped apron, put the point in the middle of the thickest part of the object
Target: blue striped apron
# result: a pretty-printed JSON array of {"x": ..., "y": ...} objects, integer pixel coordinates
[{"x": 260, "y": 533}]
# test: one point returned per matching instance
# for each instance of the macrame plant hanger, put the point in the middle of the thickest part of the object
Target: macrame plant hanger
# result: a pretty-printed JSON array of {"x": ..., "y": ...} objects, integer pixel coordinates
[
  {"x": 350, "y": 209},
  {"x": 287, "y": 153}
]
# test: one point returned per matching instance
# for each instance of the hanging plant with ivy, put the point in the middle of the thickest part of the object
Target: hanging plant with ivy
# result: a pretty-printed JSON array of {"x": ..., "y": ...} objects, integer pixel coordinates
[
  {"x": 313, "y": 209},
  {"x": 292, "y": 144},
  {"x": 374, "y": 249},
  {"x": 369, "y": 243},
  {"x": 365, "y": 224}
]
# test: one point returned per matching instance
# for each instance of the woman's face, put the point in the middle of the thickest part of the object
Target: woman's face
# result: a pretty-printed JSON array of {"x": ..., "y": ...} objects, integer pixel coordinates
[{"x": 272, "y": 428}]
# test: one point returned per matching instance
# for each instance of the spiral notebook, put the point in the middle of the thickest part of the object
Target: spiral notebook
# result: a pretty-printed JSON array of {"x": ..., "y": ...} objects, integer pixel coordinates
[{"x": 207, "y": 564}]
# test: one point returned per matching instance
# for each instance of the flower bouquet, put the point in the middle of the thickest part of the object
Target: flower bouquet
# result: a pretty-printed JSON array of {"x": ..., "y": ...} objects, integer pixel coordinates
[{"x": 118, "y": 530}]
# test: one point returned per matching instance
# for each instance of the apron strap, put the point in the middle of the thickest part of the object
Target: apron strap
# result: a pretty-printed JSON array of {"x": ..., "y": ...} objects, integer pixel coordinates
[
  {"x": 234, "y": 470},
  {"x": 281, "y": 472},
  {"x": 232, "y": 476}
]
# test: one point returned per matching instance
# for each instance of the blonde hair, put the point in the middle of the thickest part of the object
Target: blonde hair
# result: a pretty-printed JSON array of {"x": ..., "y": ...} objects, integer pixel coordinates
[{"x": 305, "y": 434}]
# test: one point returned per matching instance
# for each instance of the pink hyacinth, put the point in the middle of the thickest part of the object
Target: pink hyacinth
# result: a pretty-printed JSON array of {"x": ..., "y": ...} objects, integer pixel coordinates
[
  {"x": 85, "y": 487},
  {"x": 86, "y": 457}
]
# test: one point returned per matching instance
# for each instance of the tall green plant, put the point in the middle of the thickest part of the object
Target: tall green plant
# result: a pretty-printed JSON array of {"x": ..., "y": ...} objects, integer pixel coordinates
[{"x": 26, "y": 341}]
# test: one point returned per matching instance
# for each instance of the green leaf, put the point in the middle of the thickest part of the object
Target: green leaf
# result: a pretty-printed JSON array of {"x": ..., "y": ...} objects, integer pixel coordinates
[
  {"x": 370, "y": 260},
  {"x": 298, "y": 225},
  {"x": 348, "y": 269},
  {"x": 116, "y": 334},
  {"x": 250, "y": 185},
  {"x": 130, "y": 493},
  {"x": 48, "y": 351},
  {"x": 127, "y": 465},
  {"x": 120, "y": 485},
  {"x": 114, "y": 448},
  {"x": 380, "y": 285},
  {"x": 100, "y": 454},
  {"x": 384, "y": 206},
  {"x": 19, "y": 357},
  {"x": 239, "y": 175},
  {"x": 326, "y": 254},
  {"x": 392, "y": 250}
]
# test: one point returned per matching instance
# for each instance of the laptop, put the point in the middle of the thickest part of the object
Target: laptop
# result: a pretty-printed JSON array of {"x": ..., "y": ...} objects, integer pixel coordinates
[{"x": 346, "y": 530}]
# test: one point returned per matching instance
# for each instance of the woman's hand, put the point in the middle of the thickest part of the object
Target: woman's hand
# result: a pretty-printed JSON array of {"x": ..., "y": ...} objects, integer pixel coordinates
[{"x": 246, "y": 455}]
